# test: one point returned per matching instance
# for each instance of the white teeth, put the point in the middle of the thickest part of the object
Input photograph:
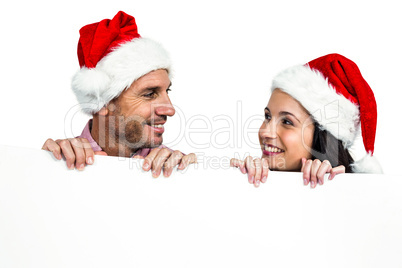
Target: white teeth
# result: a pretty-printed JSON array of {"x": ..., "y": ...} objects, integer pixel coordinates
[
  {"x": 272, "y": 149},
  {"x": 157, "y": 126}
]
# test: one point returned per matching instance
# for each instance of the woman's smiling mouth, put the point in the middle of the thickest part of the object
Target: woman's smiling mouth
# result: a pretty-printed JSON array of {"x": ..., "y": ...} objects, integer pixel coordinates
[{"x": 270, "y": 149}]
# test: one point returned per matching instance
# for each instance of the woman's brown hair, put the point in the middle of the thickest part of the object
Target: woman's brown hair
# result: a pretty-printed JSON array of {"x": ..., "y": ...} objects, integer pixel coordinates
[{"x": 327, "y": 147}]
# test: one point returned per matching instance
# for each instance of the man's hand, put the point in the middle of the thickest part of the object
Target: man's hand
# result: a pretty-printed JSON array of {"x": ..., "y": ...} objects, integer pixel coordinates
[
  {"x": 314, "y": 171},
  {"x": 77, "y": 151},
  {"x": 166, "y": 159},
  {"x": 257, "y": 169}
]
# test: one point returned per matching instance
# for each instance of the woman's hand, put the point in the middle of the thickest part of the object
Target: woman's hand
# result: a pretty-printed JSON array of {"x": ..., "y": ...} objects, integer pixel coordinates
[
  {"x": 314, "y": 171},
  {"x": 257, "y": 169}
]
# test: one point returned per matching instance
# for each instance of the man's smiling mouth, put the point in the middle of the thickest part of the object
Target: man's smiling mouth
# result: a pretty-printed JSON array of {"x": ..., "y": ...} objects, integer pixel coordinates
[{"x": 158, "y": 126}]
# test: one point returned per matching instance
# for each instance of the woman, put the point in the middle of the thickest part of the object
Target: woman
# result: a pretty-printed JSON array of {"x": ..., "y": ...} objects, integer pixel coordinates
[{"x": 313, "y": 117}]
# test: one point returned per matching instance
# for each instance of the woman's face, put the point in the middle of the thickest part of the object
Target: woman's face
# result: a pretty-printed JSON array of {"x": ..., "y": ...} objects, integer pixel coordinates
[{"x": 286, "y": 135}]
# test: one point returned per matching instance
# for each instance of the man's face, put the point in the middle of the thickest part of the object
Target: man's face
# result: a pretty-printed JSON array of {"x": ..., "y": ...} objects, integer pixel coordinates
[{"x": 140, "y": 112}]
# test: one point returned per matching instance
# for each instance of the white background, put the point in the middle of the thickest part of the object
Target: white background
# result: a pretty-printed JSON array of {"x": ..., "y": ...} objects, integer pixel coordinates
[{"x": 223, "y": 52}]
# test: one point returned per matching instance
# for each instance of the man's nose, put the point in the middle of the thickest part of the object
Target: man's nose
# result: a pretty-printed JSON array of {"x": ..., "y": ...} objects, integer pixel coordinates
[{"x": 165, "y": 107}]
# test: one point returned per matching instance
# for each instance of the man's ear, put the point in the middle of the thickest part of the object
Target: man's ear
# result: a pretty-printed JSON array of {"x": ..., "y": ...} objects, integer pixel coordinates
[{"x": 104, "y": 111}]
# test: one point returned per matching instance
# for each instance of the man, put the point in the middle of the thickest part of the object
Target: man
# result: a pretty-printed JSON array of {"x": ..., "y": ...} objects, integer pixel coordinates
[{"x": 123, "y": 82}]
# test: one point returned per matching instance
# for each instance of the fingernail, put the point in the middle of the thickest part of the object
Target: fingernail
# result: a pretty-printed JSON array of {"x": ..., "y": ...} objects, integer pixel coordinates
[
  {"x": 257, "y": 183},
  {"x": 81, "y": 167},
  {"x": 305, "y": 181},
  {"x": 90, "y": 160},
  {"x": 321, "y": 182},
  {"x": 146, "y": 166},
  {"x": 312, "y": 184},
  {"x": 264, "y": 179},
  {"x": 71, "y": 166}
]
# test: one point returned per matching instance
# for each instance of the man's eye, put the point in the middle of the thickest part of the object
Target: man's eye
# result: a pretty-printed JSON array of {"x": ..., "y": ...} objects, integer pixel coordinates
[
  {"x": 168, "y": 90},
  {"x": 150, "y": 95},
  {"x": 267, "y": 116}
]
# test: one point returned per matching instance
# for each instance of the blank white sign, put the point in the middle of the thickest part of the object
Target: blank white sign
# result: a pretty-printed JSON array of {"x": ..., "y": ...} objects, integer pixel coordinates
[{"x": 114, "y": 215}]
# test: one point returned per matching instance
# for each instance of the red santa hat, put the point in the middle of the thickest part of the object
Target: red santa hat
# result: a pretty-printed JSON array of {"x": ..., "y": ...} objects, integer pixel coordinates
[
  {"x": 332, "y": 89},
  {"x": 112, "y": 55}
]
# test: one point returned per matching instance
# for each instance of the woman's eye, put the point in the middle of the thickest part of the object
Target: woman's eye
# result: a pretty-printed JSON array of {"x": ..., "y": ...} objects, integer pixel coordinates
[
  {"x": 287, "y": 122},
  {"x": 267, "y": 116},
  {"x": 168, "y": 90}
]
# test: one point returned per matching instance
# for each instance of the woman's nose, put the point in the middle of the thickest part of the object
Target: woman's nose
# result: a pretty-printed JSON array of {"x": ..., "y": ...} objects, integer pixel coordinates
[{"x": 268, "y": 130}]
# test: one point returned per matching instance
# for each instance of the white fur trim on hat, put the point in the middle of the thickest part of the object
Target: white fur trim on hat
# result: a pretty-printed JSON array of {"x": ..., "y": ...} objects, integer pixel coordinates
[
  {"x": 114, "y": 73},
  {"x": 332, "y": 111},
  {"x": 367, "y": 164}
]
